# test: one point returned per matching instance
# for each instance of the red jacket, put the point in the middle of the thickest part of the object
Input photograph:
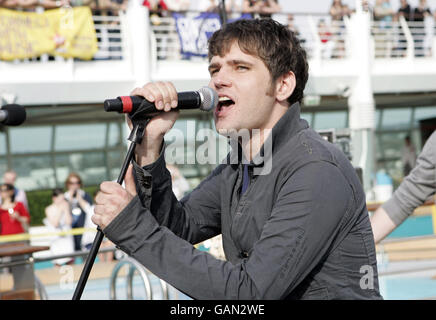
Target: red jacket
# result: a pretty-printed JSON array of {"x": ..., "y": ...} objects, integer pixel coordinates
[{"x": 9, "y": 225}]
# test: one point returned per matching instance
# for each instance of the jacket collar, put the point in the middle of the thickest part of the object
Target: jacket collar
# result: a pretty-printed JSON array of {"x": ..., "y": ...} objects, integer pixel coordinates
[{"x": 287, "y": 127}]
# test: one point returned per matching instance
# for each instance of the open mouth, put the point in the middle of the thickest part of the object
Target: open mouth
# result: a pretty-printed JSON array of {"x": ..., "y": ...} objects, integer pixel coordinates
[{"x": 224, "y": 102}]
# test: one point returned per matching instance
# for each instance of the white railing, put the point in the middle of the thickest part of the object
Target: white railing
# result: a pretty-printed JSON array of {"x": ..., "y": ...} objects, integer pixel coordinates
[
  {"x": 111, "y": 35},
  {"x": 401, "y": 39},
  {"x": 166, "y": 39},
  {"x": 327, "y": 40},
  {"x": 324, "y": 39}
]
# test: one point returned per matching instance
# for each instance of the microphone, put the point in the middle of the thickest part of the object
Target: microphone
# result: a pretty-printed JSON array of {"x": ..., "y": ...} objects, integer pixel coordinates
[
  {"x": 12, "y": 115},
  {"x": 204, "y": 99}
]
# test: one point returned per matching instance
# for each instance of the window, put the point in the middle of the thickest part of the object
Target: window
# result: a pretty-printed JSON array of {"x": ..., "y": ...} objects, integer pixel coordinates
[
  {"x": 422, "y": 113},
  {"x": 3, "y": 164},
  {"x": 30, "y": 139},
  {"x": 307, "y": 116},
  {"x": 330, "y": 120},
  {"x": 34, "y": 172},
  {"x": 391, "y": 144},
  {"x": 114, "y": 134},
  {"x": 77, "y": 137},
  {"x": 2, "y": 143},
  {"x": 396, "y": 119},
  {"x": 114, "y": 162},
  {"x": 91, "y": 166}
]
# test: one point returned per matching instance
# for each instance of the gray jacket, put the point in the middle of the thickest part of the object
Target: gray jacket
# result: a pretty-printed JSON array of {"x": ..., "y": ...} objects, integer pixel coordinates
[
  {"x": 417, "y": 187},
  {"x": 300, "y": 232}
]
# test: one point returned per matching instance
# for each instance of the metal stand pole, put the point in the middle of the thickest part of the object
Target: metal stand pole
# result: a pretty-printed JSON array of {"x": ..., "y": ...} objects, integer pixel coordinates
[
  {"x": 135, "y": 137},
  {"x": 222, "y": 11}
]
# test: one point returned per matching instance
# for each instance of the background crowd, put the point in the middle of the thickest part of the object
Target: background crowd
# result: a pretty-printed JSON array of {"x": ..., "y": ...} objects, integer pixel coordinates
[
  {"x": 389, "y": 37},
  {"x": 30, "y": 5},
  {"x": 69, "y": 209},
  {"x": 72, "y": 207}
]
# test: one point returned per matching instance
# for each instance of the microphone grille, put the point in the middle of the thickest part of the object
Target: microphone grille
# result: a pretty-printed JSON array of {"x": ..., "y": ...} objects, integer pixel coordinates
[
  {"x": 16, "y": 114},
  {"x": 209, "y": 98}
]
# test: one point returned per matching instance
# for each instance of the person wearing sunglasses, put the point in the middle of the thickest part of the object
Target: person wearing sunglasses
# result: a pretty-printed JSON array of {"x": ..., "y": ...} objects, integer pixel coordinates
[{"x": 79, "y": 202}]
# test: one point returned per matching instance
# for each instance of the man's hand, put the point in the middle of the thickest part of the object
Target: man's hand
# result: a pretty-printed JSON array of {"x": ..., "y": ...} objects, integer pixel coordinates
[
  {"x": 164, "y": 96},
  {"x": 112, "y": 199}
]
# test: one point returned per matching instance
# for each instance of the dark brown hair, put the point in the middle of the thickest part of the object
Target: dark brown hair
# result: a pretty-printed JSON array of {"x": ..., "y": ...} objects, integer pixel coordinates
[
  {"x": 272, "y": 42},
  {"x": 57, "y": 191},
  {"x": 9, "y": 187}
]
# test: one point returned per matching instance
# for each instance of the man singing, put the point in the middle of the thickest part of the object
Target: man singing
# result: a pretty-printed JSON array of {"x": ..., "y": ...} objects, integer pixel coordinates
[{"x": 299, "y": 230}]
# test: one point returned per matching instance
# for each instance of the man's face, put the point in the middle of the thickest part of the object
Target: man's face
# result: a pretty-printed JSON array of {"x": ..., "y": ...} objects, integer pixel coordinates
[
  {"x": 73, "y": 184},
  {"x": 243, "y": 84},
  {"x": 9, "y": 178}
]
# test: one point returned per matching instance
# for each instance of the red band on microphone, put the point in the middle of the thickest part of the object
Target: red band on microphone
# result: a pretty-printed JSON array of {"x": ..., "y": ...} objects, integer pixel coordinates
[{"x": 127, "y": 104}]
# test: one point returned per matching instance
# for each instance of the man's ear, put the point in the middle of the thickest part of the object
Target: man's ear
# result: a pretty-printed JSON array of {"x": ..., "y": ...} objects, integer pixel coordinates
[{"x": 285, "y": 86}]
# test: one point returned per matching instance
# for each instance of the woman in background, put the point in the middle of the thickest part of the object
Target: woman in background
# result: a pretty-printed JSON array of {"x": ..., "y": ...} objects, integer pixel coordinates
[
  {"x": 58, "y": 218},
  {"x": 14, "y": 217},
  {"x": 79, "y": 201}
]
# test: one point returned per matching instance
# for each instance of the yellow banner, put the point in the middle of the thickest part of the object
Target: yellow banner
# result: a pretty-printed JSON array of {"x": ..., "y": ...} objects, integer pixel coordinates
[{"x": 68, "y": 32}]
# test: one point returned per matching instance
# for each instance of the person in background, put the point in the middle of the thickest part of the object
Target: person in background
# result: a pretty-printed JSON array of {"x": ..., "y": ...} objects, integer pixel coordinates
[
  {"x": 291, "y": 24},
  {"x": 406, "y": 12},
  {"x": 118, "y": 5},
  {"x": 408, "y": 157},
  {"x": 79, "y": 3},
  {"x": 14, "y": 217},
  {"x": 78, "y": 200},
  {"x": 337, "y": 13},
  {"x": 366, "y": 7},
  {"x": 338, "y": 10},
  {"x": 52, "y": 4},
  {"x": 383, "y": 14},
  {"x": 58, "y": 218},
  {"x": 294, "y": 29},
  {"x": 383, "y": 11},
  {"x": 415, "y": 189},
  {"x": 261, "y": 8},
  {"x": 177, "y": 5},
  {"x": 10, "y": 4},
  {"x": 10, "y": 177},
  {"x": 234, "y": 6},
  {"x": 419, "y": 33},
  {"x": 326, "y": 38}
]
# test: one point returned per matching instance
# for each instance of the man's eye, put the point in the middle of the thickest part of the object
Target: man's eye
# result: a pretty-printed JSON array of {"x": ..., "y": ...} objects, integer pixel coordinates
[{"x": 242, "y": 68}]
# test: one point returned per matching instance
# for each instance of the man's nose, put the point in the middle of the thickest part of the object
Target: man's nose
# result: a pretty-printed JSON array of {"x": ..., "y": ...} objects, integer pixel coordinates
[{"x": 221, "y": 80}]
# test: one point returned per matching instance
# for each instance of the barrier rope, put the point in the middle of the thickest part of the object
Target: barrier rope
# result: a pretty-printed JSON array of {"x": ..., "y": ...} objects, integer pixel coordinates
[{"x": 28, "y": 236}]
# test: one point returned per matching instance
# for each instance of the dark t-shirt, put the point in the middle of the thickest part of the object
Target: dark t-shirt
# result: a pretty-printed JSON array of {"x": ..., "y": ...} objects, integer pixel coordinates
[
  {"x": 418, "y": 14},
  {"x": 261, "y": 15},
  {"x": 406, "y": 12}
]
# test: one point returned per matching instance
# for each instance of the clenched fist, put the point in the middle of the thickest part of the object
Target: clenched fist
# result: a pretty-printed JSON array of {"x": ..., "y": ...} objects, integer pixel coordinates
[{"x": 112, "y": 199}]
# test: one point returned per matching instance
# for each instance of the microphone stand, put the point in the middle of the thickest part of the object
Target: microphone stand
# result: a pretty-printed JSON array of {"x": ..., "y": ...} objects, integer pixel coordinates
[
  {"x": 222, "y": 11},
  {"x": 135, "y": 137}
]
